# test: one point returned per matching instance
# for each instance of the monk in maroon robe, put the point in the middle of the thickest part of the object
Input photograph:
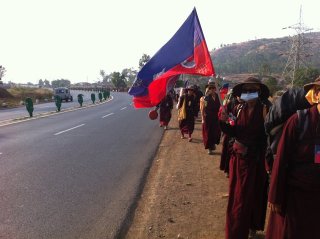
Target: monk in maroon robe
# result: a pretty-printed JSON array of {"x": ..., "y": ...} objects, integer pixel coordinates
[
  {"x": 247, "y": 201},
  {"x": 165, "y": 106},
  {"x": 227, "y": 141},
  {"x": 209, "y": 105},
  {"x": 294, "y": 196},
  {"x": 188, "y": 101}
]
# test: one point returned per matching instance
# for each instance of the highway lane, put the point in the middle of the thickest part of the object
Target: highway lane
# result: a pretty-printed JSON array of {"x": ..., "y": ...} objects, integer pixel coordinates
[
  {"x": 74, "y": 175},
  {"x": 19, "y": 112}
]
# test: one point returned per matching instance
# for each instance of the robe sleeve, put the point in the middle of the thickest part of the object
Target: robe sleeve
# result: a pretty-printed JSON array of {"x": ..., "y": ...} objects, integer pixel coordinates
[
  {"x": 181, "y": 99},
  {"x": 170, "y": 102},
  {"x": 280, "y": 166},
  {"x": 227, "y": 129},
  {"x": 202, "y": 107}
]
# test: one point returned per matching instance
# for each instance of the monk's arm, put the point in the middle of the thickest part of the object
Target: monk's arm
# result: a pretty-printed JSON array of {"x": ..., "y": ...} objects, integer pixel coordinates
[
  {"x": 279, "y": 171},
  {"x": 227, "y": 128}
]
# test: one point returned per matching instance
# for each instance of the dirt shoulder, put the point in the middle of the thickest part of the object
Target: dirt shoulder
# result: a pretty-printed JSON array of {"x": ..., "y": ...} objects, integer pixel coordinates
[{"x": 185, "y": 195}]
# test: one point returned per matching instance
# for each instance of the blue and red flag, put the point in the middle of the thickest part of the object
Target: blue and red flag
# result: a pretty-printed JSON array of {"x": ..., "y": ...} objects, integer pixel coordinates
[{"x": 185, "y": 53}]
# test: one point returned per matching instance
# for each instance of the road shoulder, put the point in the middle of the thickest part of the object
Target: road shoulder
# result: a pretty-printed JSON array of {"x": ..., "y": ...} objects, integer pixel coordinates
[{"x": 185, "y": 194}]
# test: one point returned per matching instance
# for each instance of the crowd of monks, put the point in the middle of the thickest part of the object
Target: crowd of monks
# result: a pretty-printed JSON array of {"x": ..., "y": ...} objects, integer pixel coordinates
[{"x": 290, "y": 185}]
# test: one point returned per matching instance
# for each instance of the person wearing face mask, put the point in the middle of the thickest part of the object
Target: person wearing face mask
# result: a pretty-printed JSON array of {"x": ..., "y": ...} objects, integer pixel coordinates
[
  {"x": 294, "y": 193},
  {"x": 247, "y": 202},
  {"x": 209, "y": 107}
]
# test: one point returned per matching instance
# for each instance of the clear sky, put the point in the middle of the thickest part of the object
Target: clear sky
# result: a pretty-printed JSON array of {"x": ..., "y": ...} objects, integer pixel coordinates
[{"x": 75, "y": 39}]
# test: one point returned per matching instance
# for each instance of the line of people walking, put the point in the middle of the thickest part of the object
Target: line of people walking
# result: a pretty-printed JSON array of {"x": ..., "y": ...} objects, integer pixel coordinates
[
  {"x": 285, "y": 183},
  {"x": 294, "y": 190}
]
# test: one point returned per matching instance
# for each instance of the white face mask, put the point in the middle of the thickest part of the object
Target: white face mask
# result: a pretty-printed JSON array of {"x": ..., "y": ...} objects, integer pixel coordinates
[{"x": 249, "y": 96}]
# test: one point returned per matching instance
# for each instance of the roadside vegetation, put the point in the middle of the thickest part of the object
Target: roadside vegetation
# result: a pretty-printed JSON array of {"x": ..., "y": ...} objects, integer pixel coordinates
[{"x": 14, "y": 97}]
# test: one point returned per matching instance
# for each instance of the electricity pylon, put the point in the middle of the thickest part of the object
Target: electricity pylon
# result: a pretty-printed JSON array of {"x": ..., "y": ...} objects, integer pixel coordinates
[{"x": 298, "y": 53}]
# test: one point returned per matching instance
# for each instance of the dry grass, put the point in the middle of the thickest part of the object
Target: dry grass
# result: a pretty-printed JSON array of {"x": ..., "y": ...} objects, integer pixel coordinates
[
  {"x": 12, "y": 97},
  {"x": 34, "y": 93}
]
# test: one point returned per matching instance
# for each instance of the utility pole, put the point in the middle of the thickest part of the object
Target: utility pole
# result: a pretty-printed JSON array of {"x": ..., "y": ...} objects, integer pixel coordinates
[{"x": 298, "y": 53}]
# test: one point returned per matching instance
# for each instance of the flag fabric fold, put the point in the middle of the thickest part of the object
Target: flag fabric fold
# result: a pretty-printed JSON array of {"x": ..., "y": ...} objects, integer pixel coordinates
[{"x": 185, "y": 53}]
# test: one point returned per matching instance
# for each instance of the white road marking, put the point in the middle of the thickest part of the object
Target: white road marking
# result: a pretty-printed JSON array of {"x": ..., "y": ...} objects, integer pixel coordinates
[
  {"x": 107, "y": 115},
  {"x": 123, "y": 108},
  {"x": 0, "y": 153},
  {"x": 69, "y": 129},
  {"x": 42, "y": 107}
]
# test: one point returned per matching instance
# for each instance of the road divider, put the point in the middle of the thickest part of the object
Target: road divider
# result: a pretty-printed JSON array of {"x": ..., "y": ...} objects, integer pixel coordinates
[
  {"x": 61, "y": 132},
  {"x": 50, "y": 113}
]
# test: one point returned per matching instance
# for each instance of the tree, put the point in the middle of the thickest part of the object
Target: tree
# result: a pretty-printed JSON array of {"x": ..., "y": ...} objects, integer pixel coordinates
[
  {"x": 273, "y": 85},
  {"x": 305, "y": 75},
  {"x": 144, "y": 59},
  {"x": 60, "y": 83},
  {"x": 2, "y": 71},
  {"x": 129, "y": 75},
  {"x": 103, "y": 74},
  {"x": 41, "y": 83},
  {"x": 118, "y": 80},
  {"x": 46, "y": 83}
]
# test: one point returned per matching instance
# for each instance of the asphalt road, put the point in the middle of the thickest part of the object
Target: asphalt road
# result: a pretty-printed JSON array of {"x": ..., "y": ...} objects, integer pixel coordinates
[
  {"x": 76, "y": 174},
  {"x": 19, "y": 112}
]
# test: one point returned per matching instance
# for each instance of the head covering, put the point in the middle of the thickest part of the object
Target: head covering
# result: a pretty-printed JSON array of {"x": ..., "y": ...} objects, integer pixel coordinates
[
  {"x": 211, "y": 83},
  {"x": 307, "y": 87},
  {"x": 237, "y": 89},
  {"x": 311, "y": 92},
  {"x": 190, "y": 87}
]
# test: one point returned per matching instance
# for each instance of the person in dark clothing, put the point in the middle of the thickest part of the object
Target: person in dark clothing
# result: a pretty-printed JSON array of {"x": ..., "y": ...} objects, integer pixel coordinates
[
  {"x": 187, "y": 109},
  {"x": 165, "y": 106},
  {"x": 209, "y": 105},
  {"x": 198, "y": 94},
  {"x": 247, "y": 202},
  {"x": 294, "y": 193},
  {"x": 227, "y": 141}
]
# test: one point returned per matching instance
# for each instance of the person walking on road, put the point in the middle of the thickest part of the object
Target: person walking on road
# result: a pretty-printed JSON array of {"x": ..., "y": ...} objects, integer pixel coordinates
[
  {"x": 165, "y": 106},
  {"x": 209, "y": 106},
  {"x": 247, "y": 203},
  {"x": 294, "y": 196},
  {"x": 227, "y": 141},
  {"x": 198, "y": 96},
  {"x": 187, "y": 109}
]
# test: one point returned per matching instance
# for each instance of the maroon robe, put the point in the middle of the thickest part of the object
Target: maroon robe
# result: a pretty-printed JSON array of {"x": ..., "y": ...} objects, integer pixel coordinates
[
  {"x": 295, "y": 182},
  {"x": 227, "y": 141},
  {"x": 210, "y": 128},
  {"x": 248, "y": 178},
  {"x": 166, "y": 106},
  {"x": 187, "y": 125}
]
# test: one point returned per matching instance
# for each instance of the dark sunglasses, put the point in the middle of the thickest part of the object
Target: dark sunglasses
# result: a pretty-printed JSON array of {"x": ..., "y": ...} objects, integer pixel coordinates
[
  {"x": 211, "y": 88},
  {"x": 250, "y": 90}
]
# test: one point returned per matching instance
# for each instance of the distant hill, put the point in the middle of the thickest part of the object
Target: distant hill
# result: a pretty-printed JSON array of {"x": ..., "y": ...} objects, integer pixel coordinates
[{"x": 268, "y": 55}]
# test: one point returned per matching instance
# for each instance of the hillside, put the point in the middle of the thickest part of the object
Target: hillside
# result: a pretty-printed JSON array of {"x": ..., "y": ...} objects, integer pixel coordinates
[{"x": 268, "y": 55}]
